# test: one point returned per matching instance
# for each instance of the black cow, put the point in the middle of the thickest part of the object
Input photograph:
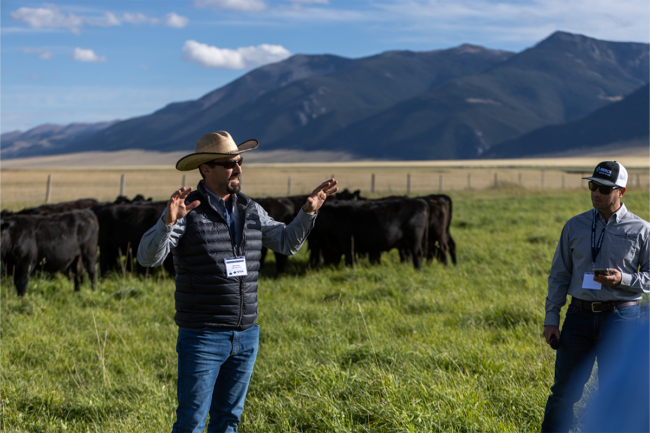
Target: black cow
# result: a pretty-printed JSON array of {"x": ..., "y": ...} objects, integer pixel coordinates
[
  {"x": 440, "y": 241},
  {"x": 121, "y": 227},
  {"x": 280, "y": 209},
  {"x": 138, "y": 199},
  {"x": 371, "y": 227},
  {"x": 345, "y": 195},
  {"x": 49, "y": 209},
  {"x": 57, "y": 242},
  {"x": 316, "y": 256}
]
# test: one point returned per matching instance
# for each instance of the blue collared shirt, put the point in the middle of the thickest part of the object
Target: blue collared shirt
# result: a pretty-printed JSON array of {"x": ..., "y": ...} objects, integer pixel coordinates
[{"x": 625, "y": 247}]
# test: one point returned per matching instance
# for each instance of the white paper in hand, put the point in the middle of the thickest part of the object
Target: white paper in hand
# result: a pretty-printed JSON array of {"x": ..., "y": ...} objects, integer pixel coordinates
[{"x": 589, "y": 283}]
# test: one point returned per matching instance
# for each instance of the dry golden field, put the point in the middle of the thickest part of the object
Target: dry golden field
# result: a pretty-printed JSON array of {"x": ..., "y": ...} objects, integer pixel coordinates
[{"x": 27, "y": 187}]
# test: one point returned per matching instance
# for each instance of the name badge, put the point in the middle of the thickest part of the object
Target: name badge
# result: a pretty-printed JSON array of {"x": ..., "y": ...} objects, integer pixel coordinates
[
  {"x": 235, "y": 267},
  {"x": 589, "y": 283}
]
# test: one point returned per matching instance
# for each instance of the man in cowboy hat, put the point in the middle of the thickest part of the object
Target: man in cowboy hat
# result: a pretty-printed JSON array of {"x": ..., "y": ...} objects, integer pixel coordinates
[
  {"x": 603, "y": 262},
  {"x": 216, "y": 235}
]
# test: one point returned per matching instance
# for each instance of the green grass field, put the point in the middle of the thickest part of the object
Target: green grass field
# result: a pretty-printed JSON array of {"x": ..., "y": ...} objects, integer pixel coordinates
[{"x": 370, "y": 349}]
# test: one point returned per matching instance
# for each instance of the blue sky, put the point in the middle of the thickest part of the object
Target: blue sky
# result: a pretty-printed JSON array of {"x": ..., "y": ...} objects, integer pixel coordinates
[{"x": 94, "y": 60}]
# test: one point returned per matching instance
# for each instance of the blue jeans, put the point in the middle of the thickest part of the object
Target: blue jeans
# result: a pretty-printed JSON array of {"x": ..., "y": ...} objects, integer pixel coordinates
[
  {"x": 585, "y": 336},
  {"x": 214, "y": 368}
]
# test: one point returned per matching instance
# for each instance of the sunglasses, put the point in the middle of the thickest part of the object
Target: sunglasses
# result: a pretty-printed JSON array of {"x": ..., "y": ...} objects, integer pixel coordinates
[
  {"x": 228, "y": 164},
  {"x": 604, "y": 190}
]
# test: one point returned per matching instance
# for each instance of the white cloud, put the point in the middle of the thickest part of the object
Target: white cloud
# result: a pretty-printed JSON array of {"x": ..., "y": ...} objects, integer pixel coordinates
[
  {"x": 42, "y": 52},
  {"x": 47, "y": 16},
  {"x": 297, "y": 5},
  {"x": 50, "y": 16},
  {"x": 139, "y": 18},
  {"x": 233, "y": 5},
  {"x": 323, "y": 2},
  {"x": 108, "y": 20},
  {"x": 226, "y": 58},
  {"x": 112, "y": 19},
  {"x": 82, "y": 55},
  {"x": 175, "y": 21}
]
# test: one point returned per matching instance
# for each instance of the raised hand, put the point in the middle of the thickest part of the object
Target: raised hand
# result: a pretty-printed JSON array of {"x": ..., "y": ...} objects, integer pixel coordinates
[
  {"x": 176, "y": 207},
  {"x": 320, "y": 194}
]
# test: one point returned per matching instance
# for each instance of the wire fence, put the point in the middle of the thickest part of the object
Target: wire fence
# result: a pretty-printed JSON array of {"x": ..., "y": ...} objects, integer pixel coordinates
[{"x": 21, "y": 188}]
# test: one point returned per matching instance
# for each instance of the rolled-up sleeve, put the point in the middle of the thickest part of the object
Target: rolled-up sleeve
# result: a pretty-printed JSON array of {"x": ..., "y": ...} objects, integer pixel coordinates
[
  {"x": 559, "y": 280},
  {"x": 157, "y": 242},
  {"x": 285, "y": 239}
]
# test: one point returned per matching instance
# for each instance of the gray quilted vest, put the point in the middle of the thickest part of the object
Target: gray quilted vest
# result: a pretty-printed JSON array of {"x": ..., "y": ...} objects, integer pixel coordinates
[{"x": 204, "y": 296}]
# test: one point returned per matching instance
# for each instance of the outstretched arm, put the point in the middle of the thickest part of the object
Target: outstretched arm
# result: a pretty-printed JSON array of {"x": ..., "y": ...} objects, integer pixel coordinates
[
  {"x": 288, "y": 239},
  {"x": 319, "y": 195}
]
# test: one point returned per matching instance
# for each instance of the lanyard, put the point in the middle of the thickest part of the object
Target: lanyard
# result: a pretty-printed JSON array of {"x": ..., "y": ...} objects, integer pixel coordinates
[
  {"x": 595, "y": 249},
  {"x": 230, "y": 220}
]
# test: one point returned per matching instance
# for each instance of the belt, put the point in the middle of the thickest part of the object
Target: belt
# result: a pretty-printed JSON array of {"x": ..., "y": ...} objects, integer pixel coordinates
[{"x": 599, "y": 307}]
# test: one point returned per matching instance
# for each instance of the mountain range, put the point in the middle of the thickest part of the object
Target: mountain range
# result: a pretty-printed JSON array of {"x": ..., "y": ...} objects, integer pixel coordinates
[
  {"x": 620, "y": 122},
  {"x": 461, "y": 103}
]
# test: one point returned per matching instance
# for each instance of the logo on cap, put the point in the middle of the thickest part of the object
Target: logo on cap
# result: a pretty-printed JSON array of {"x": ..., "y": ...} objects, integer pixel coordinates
[{"x": 604, "y": 171}]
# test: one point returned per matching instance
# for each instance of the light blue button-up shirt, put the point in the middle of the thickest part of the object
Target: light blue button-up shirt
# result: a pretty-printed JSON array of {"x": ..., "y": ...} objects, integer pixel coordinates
[{"x": 625, "y": 247}]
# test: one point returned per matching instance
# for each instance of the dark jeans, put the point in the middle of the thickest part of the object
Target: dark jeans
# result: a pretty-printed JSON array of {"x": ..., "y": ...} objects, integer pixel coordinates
[
  {"x": 585, "y": 336},
  {"x": 214, "y": 368}
]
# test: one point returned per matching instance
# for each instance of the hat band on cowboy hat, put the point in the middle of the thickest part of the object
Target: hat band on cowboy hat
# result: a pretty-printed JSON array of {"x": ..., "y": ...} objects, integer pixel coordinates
[
  {"x": 215, "y": 145},
  {"x": 610, "y": 173}
]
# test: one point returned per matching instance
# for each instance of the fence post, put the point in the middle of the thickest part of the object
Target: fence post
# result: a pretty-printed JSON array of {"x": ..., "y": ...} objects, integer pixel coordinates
[
  {"x": 469, "y": 180},
  {"x": 184, "y": 180},
  {"x": 496, "y": 179},
  {"x": 122, "y": 185},
  {"x": 289, "y": 186},
  {"x": 48, "y": 191},
  {"x": 521, "y": 183},
  {"x": 563, "y": 183},
  {"x": 637, "y": 180},
  {"x": 542, "y": 178},
  {"x": 408, "y": 183},
  {"x": 440, "y": 184},
  {"x": 372, "y": 183}
]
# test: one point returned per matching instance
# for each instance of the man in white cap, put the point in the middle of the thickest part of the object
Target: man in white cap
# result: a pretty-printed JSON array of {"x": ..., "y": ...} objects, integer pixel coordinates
[
  {"x": 603, "y": 262},
  {"x": 216, "y": 235}
]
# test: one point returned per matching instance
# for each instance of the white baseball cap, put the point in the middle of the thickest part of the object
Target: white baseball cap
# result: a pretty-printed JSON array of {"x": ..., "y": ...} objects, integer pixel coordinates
[{"x": 610, "y": 173}]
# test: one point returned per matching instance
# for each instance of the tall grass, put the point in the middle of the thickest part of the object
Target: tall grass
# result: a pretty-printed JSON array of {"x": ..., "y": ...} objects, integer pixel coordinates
[{"x": 366, "y": 349}]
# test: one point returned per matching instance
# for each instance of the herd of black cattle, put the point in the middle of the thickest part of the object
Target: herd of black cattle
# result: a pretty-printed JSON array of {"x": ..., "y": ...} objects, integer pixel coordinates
[{"x": 66, "y": 236}]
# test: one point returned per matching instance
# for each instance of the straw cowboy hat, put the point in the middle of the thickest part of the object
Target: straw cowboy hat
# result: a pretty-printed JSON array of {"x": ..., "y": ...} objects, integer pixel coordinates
[{"x": 215, "y": 145}]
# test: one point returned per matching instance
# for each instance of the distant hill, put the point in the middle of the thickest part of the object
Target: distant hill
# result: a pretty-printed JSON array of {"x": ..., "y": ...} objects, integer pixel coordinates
[
  {"x": 300, "y": 100},
  {"x": 562, "y": 78},
  {"x": 47, "y": 138},
  {"x": 445, "y": 104},
  {"x": 623, "y": 121}
]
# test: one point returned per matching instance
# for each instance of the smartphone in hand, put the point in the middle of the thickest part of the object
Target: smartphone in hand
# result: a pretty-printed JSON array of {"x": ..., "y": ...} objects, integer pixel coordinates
[{"x": 601, "y": 272}]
